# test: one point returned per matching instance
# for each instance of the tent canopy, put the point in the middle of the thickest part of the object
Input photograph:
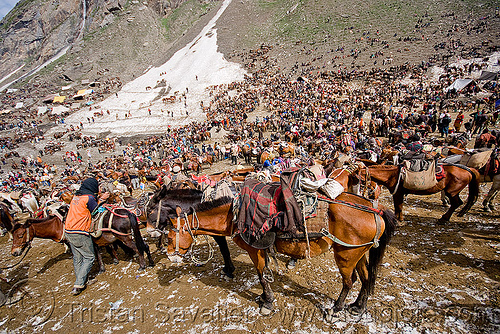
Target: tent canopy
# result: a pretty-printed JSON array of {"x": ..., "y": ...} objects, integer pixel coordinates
[
  {"x": 49, "y": 98},
  {"x": 59, "y": 99},
  {"x": 459, "y": 84},
  {"x": 81, "y": 93},
  {"x": 488, "y": 76},
  {"x": 42, "y": 110},
  {"x": 59, "y": 110}
]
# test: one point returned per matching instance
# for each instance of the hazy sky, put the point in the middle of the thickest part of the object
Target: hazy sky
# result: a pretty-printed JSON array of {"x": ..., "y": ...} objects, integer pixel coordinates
[{"x": 6, "y": 6}]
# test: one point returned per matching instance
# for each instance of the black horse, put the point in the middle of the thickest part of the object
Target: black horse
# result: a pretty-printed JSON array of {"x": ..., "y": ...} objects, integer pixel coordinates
[{"x": 163, "y": 206}]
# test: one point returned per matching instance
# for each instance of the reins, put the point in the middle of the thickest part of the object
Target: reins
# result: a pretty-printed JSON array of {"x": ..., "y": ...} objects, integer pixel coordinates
[
  {"x": 187, "y": 228},
  {"x": 26, "y": 253}
]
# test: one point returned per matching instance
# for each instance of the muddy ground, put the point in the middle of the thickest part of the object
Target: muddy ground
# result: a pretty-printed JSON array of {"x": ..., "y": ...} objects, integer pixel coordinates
[{"x": 434, "y": 279}]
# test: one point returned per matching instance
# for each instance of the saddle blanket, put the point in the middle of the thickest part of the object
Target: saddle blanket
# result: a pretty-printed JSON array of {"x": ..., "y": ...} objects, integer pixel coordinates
[{"x": 267, "y": 206}]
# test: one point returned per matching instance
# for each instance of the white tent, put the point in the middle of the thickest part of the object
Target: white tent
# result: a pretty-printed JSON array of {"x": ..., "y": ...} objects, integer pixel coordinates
[
  {"x": 42, "y": 110},
  {"x": 459, "y": 84},
  {"x": 58, "y": 110}
]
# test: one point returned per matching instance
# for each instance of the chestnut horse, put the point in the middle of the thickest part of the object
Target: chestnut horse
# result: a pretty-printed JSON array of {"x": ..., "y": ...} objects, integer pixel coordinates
[
  {"x": 354, "y": 227},
  {"x": 456, "y": 178}
]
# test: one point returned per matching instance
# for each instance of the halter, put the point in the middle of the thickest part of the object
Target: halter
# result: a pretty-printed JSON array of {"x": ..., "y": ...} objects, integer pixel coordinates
[
  {"x": 26, "y": 253},
  {"x": 191, "y": 230}
]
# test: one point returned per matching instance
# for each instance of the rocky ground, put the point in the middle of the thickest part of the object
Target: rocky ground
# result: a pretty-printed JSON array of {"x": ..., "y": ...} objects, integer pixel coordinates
[{"x": 434, "y": 279}]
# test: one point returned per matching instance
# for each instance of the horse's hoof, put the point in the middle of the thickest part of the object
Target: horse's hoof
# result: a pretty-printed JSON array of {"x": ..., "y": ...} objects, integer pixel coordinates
[
  {"x": 355, "y": 309},
  {"x": 115, "y": 261},
  {"x": 227, "y": 276},
  {"x": 291, "y": 263},
  {"x": 151, "y": 264},
  {"x": 486, "y": 209},
  {"x": 441, "y": 221},
  {"x": 101, "y": 271},
  {"x": 141, "y": 268},
  {"x": 264, "y": 310}
]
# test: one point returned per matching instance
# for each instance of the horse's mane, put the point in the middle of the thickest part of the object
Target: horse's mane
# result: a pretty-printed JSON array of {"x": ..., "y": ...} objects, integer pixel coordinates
[
  {"x": 209, "y": 205},
  {"x": 383, "y": 166},
  {"x": 31, "y": 221},
  {"x": 184, "y": 193}
]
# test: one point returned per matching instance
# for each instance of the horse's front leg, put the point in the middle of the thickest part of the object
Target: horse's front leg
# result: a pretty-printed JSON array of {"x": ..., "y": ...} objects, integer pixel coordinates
[{"x": 224, "y": 250}]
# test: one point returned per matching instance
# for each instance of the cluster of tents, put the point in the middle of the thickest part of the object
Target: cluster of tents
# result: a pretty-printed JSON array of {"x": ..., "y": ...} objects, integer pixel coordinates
[{"x": 460, "y": 84}]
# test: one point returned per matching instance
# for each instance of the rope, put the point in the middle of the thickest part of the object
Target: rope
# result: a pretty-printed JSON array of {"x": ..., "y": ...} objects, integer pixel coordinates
[
  {"x": 397, "y": 184},
  {"x": 22, "y": 258},
  {"x": 194, "y": 259}
]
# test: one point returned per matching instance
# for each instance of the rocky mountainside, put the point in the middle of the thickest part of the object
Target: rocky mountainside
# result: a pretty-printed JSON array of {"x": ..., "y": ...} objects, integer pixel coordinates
[
  {"x": 102, "y": 39},
  {"x": 90, "y": 34}
]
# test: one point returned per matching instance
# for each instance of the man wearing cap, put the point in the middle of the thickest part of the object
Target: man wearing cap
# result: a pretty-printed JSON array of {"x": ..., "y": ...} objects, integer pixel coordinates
[
  {"x": 177, "y": 175},
  {"x": 77, "y": 228}
]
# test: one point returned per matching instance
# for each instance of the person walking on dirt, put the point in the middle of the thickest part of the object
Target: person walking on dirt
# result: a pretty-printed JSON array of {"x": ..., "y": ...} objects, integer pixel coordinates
[{"x": 77, "y": 228}]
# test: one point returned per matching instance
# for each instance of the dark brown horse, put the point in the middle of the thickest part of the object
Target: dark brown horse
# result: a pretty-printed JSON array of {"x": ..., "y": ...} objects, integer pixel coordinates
[
  {"x": 6, "y": 220},
  {"x": 124, "y": 227},
  {"x": 354, "y": 227},
  {"x": 250, "y": 151},
  {"x": 456, "y": 178},
  {"x": 165, "y": 205}
]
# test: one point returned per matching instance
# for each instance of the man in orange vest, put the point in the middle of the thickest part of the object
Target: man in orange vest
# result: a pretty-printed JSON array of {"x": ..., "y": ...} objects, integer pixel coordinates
[{"x": 77, "y": 228}]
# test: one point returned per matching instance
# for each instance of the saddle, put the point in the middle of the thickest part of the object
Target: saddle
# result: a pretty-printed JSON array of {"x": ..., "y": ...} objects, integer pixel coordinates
[
  {"x": 98, "y": 222},
  {"x": 269, "y": 208}
]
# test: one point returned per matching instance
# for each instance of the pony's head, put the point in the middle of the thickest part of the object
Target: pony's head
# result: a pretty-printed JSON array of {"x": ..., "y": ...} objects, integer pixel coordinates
[{"x": 22, "y": 234}]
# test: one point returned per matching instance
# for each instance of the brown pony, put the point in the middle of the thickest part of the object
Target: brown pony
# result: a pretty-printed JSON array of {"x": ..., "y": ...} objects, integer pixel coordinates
[
  {"x": 287, "y": 150},
  {"x": 350, "y": 178},
  {"x": 354, "y": 227},
  {"x": 123, "y": 227},
  {"x": 456, "y": 178}
]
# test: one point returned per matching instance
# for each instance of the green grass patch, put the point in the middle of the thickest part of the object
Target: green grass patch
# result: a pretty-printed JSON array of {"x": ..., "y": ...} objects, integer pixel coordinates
[{"x": 184, "y": 17}]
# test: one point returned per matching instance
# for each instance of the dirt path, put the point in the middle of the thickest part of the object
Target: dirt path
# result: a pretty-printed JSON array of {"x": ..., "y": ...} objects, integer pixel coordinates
[{"x": 437, "y": 278}]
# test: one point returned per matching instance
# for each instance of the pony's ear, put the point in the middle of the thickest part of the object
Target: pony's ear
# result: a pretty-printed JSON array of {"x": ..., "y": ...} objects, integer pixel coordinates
[
  {"x": 23, "y": 221},
  {"x": 163, "y": 191}
]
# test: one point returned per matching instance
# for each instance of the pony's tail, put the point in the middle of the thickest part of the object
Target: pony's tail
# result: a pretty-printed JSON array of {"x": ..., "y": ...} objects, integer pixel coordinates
[
  {"x": 473, "y": 192},
  {"x": 139, "y": 241},
  {"x": 376, "y": 254}
]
